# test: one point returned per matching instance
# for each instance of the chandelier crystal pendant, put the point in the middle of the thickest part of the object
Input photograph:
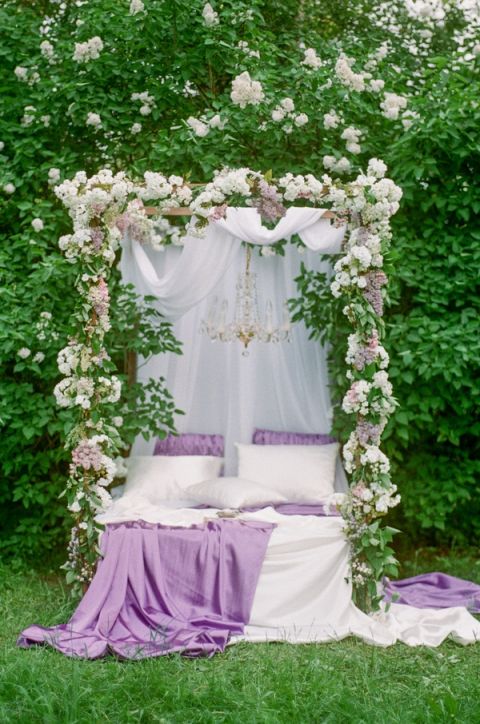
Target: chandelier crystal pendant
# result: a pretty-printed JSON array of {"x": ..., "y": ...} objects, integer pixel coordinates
[{"x": 247, "y": 325}]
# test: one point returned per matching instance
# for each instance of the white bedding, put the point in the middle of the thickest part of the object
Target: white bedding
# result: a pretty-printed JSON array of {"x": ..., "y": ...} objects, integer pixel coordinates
[{"x": 302, "y": 595}]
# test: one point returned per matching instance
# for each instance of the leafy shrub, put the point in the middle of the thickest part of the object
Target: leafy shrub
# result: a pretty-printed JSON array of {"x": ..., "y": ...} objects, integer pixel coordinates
[{"x": 187, "y": 68}]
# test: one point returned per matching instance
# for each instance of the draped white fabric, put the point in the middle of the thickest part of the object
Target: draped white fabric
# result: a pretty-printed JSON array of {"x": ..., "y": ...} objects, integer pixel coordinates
[
  {"x": 206, "y": 259},
  {"x": 277, "y": 386}
]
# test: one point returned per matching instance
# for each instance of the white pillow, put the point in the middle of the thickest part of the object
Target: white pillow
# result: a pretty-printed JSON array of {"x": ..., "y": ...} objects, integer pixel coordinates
[
  {"x": 232, "y": 493},
  {"x": 165, "y": 477},
  {"x": 302, "y": 473}
]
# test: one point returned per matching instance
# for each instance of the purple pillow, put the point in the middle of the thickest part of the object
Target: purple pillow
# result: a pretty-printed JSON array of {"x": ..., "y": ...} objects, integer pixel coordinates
[
  {"x": 190, "y": 443},
  {"x": 271, "y": 437}
]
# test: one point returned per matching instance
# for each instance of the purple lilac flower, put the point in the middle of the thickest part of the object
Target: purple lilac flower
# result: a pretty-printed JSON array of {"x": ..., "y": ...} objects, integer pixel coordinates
[
  {"x": 373, "y": 291},
  {"x": 97, "y": 237},
  {"x": 368, "y": 433},
  {"x": 87, "y": 456},
  {"x": 269, "y": 205},
  {"x": 100, "y": 297}
]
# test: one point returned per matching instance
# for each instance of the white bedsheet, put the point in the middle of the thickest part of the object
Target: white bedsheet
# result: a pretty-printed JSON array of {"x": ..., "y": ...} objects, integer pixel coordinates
[{"x": 302, "y": 594}]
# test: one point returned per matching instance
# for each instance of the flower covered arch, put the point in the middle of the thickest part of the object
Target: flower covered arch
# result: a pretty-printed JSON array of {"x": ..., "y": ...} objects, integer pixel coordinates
[{"x": 106, "y": 205}]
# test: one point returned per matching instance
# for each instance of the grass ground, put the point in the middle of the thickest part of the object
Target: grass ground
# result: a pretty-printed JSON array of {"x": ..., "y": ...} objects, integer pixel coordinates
[{"x": 258, "y": 683}]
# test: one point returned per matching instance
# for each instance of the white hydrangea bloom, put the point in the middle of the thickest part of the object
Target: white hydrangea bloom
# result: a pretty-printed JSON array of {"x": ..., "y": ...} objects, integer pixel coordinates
[
  {"x": 21, "y": 73},
  {"x": 311, "y": 59},
  {"x": 345, "y": 74},
  {"x": 90, "y": 50},
  {"x": 354, "y": 148},
  {"x": 136, "y": 128},
  {"x": 94, "y": 119},
  {"x": 331, "y": 119},
  {"x": 351, "y": 134},
  {"x": 217, "y": 122},
  {"x": 39, "y": 357},
  {"x": 376, "y": 85},
  {"x": 200, "y": 128},
  {"x": 136, "y": 6},
  {"x": 301, "y": 119},
  {"x": 47, "y": 49},
  {"x": 376, "y": 168},
  {"x": 392, "y": 104},
  {"x": 28, "y": 115},
  {"x": 343, "y": 165},
  {"x": 9, "y": 188},
  {"x": 246, "y": 91},
  {"x": 210, "y": 17},
  {"x": 287, "y": 104},
  {"x": 24, "y": 352},
  {"x": 37, "y": 224},
  {"x": 53, "y": 175}
]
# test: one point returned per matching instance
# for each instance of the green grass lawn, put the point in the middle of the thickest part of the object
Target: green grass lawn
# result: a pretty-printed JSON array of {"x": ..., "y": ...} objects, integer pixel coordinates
[{"x": 342, "y": 682}]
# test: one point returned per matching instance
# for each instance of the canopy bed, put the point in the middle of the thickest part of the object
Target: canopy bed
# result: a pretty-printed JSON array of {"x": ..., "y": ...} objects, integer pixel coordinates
[{"x": 244, "y": 526}]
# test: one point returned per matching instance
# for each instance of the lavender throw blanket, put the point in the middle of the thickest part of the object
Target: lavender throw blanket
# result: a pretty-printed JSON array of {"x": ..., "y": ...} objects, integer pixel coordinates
[
  {"x": 434, "y": 590},
  {"x": 160, "y": 590}
]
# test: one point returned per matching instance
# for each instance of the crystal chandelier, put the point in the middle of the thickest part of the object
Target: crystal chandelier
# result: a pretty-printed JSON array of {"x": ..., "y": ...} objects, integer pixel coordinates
[{"x": 247, "y": 324}]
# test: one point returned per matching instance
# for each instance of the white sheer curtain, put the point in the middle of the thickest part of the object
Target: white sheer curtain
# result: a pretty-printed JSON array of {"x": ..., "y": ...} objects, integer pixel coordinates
[{"x": 277, "y": 386}]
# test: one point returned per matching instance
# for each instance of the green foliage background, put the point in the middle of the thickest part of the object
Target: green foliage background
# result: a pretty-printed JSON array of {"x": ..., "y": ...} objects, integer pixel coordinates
[{"x": 433, "y": 317}]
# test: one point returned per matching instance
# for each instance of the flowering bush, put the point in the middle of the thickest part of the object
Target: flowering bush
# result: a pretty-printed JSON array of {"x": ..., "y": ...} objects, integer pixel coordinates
[{"x": 338, "y": 85}]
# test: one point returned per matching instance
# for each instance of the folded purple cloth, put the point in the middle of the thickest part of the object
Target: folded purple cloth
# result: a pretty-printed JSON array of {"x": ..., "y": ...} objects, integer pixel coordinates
[
  {"x": 160, "y": 589},
  {"x": 274, "y": 437},
  {"x": 190, "y": 443},
  {"x": 434, "y": 590}
]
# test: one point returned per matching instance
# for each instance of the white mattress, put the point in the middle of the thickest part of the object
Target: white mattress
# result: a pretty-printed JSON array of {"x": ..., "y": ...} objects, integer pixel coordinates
[{"x": 302, "y": 594}]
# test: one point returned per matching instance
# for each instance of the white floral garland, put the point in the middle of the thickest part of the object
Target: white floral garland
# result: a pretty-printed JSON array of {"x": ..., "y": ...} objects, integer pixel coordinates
[{"x": 104, "y": 207}]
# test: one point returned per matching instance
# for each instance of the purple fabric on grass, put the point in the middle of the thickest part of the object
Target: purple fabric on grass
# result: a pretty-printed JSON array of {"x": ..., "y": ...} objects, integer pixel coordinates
[
  {"x": 161, "y": 589},
  {"x": 271, "y": 437},
  {"x": 434, "y": 590},
  {"x": 190, "y": 443}
]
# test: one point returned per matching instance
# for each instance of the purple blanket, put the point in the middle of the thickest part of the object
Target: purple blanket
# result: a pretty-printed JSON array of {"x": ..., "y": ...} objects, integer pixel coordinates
[
  {"x": 434, "y": 590},
  {"x": 160, "y": 589}
]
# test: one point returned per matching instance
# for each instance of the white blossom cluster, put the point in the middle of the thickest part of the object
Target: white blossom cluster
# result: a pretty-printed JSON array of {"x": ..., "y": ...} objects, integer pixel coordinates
[
  {"x": 392, "y": 105},
  {"x": 361, "y": 257},
  {"x": 210, "y": 17},
  {"x": 136, "y": 7},
  {"x": 311, "y": 59},
  {"x": 28, "y": 116},
  {"x": 352, "y": 136},
  {"x": 171, "y": 191},
  {"x": 285, "y": 113},
  {"x": 201, "y": 126},
  {"x": 76, "y": 391},
  {"x": 226, "y": 183},
  {"x": 374, "y": 498},
  {"x": 147, "y": 102},
  {"x": 337, "y": 165},
  {"x": 247, "y": 50},
  {"x": 301, "y": 187},
  {"x": 89, "y": 50},
  {"x": 77, "y": 359},
  {"x": 374, "y": 397},
  {"x": 361, "y": 352},
  {"x": 47, "y": 50},
  {"x": 26, "y": 75},
  {"x": 332, "y": 119},
  {"x": 346, "y": 76},
  {"x": 94, "y": 120},
  {"x": 246, "y": 91}
]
